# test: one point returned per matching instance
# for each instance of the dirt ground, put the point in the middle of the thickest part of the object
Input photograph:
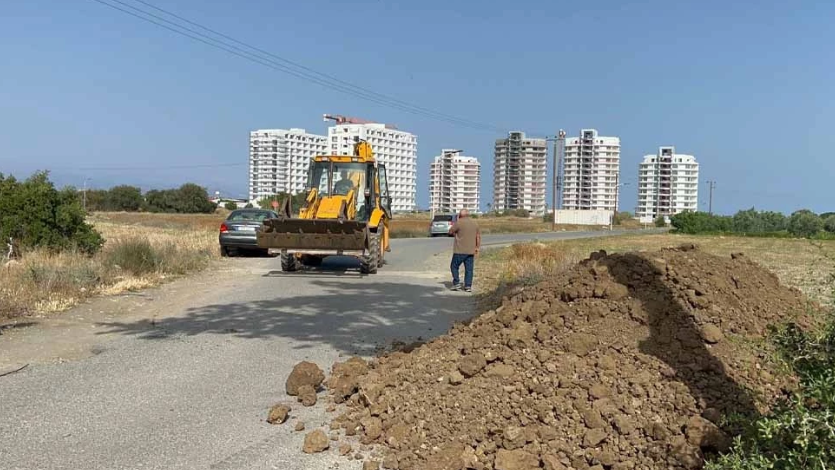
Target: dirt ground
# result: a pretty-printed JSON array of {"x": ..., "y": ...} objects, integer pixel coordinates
[{"x": 637, "y": 360}]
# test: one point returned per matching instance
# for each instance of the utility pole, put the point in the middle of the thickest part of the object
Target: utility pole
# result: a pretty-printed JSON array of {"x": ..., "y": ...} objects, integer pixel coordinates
[
  {"x": 618, "y": 185},
  {"x": 84, "y": 193},
  {"x": 615, "y": 212},
  {"x": 554, "y": 191},
  {"x": 712, "y": 186}
]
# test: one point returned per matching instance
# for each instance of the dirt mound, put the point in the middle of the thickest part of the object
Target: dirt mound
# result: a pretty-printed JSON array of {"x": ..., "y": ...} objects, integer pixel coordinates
[{"x": 628, "y": 361}]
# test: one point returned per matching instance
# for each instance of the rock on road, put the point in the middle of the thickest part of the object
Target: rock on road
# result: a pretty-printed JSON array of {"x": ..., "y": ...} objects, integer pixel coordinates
[{"x": 182, "y": 376}]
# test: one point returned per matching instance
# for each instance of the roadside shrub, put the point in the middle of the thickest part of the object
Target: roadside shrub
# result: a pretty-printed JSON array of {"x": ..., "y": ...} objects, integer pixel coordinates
[
  {"x": 230, "y": 206},
  {"x": 829, "y": 224},
  {"x": 660, "y": 222},
  {"x": 172, "y": 259},
  {"x": 36, "y": 215},
  {"x": 700, "y": 222},
  {"x": 248, "y": 205},
  {"x": 513, "y": 213},
  {"x": 753, "y": 221},
  {"x": 137, "y": 257},
  {"x": 799, "y": 433},
  {"x": 187, "y": 199},
  {"x": 121, "y": 198},
  {"x": 124, "y": 198},
  {"x": 805, "y": 224},
  {"x": 53, "y": 275},
  {"x": 620, "y": 217}
]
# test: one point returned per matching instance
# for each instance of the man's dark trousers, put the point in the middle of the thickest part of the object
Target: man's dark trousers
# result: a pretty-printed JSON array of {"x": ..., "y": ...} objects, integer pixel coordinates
[{"x": 469, "y": 261}]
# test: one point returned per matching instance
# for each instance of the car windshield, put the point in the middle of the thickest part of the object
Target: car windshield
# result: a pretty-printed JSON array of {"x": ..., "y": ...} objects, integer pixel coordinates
[
  {"x": 442, "y": 218},
  {"x": 249, "y": 216}
]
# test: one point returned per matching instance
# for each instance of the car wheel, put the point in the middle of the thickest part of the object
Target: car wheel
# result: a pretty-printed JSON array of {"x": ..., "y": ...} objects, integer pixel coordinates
[{"x": 224, "y": 252}]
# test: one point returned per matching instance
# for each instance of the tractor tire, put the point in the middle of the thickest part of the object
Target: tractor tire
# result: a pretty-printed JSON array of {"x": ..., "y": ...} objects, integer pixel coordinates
[
  {"x": 289, "y": 262},
  {"x": 370, "y": 262}
]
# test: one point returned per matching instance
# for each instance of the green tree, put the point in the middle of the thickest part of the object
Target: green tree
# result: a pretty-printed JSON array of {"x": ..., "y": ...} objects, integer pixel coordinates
[
  {"x": 660, "y": 222},
  {"x": 773, "y": 221},
  {"x": 805, "y": 224},
  {"x": 163, "y": 200},
  {"x": 621, "y": 217},
  {"x": 123, "y": 198},
  {"x": 230, "y": 205},
  {"x": 96, "y": 199},
  {"x": 187, "y": 199},
  {"x": 193, "y": 199},
  {"x": 829, "y": 224},
  {"x": 36, "y": 214},
  {"x": 752, "y": 221},
  {"x": 701, "y": 222},
  {"x": 748, "y": 221}
]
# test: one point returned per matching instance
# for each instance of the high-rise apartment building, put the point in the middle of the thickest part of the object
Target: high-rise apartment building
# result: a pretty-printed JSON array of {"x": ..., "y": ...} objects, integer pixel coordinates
[
  {"x": 668, "y": 183},
  {"x": 279, "y": 160},
  {"x": 519, "y": 173},
  {"x": 395, "y": 148},
  {"x": 590, "y": 172},
  {"x": 454, "y": 182}
]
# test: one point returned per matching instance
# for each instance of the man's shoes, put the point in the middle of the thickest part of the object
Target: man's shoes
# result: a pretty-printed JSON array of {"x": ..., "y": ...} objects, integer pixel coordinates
[
  {"x": 456, "y": 287},
  {"x": 468, "y": 289}
]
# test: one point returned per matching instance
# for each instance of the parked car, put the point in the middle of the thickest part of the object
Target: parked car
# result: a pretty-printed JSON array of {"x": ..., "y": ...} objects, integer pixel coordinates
[
  {"x": 237, "y": 232},
  {"x": 441, "y": 224}
]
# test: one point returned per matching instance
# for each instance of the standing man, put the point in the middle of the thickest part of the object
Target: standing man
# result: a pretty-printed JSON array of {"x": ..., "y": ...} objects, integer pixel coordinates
[{"x": 464, "y": 250}]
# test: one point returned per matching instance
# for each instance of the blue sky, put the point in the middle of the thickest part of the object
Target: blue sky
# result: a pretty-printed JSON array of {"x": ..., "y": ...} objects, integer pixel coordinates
[{"x": 749, "y": 91}]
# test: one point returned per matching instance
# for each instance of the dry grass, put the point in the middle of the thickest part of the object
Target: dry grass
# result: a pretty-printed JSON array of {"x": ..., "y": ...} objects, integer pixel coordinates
[
  {"x": 806, "y": 265},
  {"x": 418, "y": 226},
  {"x": 43, "y": 282},
  {"x": 402, "y": 226},
  {"x": 207, "y": 222}
]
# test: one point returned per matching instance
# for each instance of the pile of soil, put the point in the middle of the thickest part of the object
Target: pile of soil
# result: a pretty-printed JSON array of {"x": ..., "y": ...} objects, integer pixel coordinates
[{"x": 627, "y": 361}]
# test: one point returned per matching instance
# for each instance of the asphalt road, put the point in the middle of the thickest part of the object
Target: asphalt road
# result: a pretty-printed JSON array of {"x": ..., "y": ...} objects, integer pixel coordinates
[{"x": 181, "y": 377}]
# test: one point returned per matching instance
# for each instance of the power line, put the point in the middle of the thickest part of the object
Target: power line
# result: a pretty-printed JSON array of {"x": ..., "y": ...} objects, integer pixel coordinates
[
  {"x": 272, "y": 61},
  {"x": 322, "y": 74}
]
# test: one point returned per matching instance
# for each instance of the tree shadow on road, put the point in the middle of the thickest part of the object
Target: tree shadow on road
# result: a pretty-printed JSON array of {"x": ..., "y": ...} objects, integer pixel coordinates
[
  {"x": 676, "y": 339},
  {"x": 353, "y": 317}
]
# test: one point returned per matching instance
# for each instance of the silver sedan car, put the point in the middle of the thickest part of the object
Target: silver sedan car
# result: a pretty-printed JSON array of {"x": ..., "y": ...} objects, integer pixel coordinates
[
  {"x": 441, "y": 224},
  {"x": 237, "y": 232}
]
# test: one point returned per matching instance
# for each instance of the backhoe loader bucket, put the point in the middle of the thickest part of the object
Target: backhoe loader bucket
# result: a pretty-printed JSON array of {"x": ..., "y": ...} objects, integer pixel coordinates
[{"x": 312, "y": 235}]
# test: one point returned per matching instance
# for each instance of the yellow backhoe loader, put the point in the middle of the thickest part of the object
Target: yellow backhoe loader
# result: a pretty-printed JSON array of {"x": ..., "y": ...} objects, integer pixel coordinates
[{"x": 347, "y": 212}]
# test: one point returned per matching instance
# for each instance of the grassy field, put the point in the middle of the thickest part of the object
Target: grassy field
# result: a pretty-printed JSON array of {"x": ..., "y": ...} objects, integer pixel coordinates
[
  {"x": 143, "y": 250},
  {"x": 807, "y": 265},
  {"x": 133, "y": 257},
  {"x": 402, "y": 226}
]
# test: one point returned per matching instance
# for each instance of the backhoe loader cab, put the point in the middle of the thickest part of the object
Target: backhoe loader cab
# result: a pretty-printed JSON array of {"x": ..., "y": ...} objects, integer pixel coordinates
[{"x": 346, "y": 212}]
